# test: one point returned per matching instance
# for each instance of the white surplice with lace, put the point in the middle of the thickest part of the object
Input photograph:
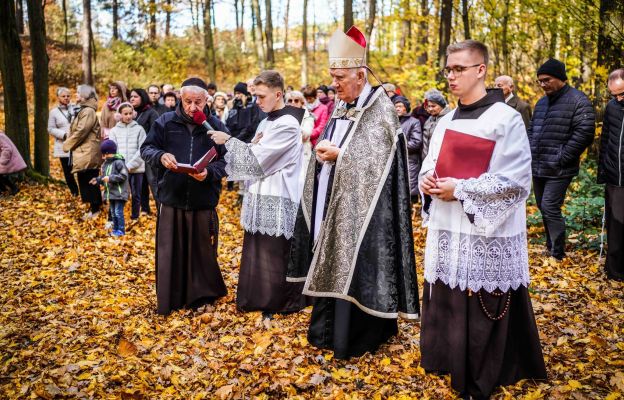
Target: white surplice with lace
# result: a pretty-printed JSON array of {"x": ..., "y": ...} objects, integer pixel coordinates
[{"x": 491, "y": 252}]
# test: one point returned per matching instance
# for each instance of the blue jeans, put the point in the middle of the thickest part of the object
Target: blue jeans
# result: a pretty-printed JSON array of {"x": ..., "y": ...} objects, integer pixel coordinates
[
  {"x": 117, "y": 212},
  {"x": 136, "y": 184}
]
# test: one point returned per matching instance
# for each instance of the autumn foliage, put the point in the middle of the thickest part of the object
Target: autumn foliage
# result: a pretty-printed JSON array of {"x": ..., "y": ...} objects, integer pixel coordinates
[{"x": 78, "y": 320}]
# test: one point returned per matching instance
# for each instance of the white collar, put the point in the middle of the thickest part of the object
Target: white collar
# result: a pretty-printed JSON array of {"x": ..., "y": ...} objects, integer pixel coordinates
[
  {"x": 509, "y": 97},
  {"x": 361, "y": 97}
]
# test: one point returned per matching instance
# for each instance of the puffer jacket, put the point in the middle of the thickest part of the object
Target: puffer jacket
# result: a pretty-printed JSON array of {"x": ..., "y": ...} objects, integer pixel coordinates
[
  {"x": 430, "y": 125},
  {"x": 117, "y": 187},
  {"x": 611, "y": 160},
  {"x": 562, "y": 127},
  {"x": 11, "y": 160},
  {"x": 129, "y": 138},
  {"x": 413, "y": 136},
  {"x": 83, "y": 140}
]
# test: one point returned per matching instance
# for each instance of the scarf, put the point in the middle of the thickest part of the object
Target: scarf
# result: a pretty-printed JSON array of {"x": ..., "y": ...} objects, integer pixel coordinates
[
  {"x": 113, "y": 102},
  {"x": 184, "y": 116}
]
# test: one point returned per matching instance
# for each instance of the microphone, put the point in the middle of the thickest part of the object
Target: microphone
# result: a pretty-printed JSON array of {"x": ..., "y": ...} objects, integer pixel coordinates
[{"x": 200, "y": 119}]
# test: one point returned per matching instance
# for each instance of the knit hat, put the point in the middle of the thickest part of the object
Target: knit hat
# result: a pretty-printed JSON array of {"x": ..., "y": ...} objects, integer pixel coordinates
[
  {"x": 241, "y": 87},
  {"x": 195, "y": 82},
  {"x": 554, "y": 68},
  {"x": 435, "y": 96},
  {"x": 404, "y": 101},
  {"x": 108, "y": 147}
]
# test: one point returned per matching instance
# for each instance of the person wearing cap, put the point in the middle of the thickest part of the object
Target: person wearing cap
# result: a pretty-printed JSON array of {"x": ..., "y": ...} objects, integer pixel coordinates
[
  {"x": 436, "y": 107},
  {"x": 477, "y": 319},
  {"x": 562, "y": 127},
  {"x": 353, "y": 245},
  {"x": 413, "y": 137},
  {"x": 506, "y": 83},
  {"x": 187, "y": 229},
  {"x": 114, "y": 178},
  {"x": 270, "y": 168}
]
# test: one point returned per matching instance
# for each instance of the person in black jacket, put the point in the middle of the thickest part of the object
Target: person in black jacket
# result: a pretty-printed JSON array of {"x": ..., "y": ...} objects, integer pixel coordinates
[
  {"x": 187, "y": 272},
  {"x": 611, "y": 172},
  {"x": 153, "y": 91},
  {"x": 146, "y": 115},
  {"x": 561, "y": 129}
]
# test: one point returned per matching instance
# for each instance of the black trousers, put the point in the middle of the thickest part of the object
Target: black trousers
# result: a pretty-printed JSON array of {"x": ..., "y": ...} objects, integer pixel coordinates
[
  {"x": 90, "y": 193},
  {"x": 550, "y": 194},
  {"x": 69, "y": 177},
  {"x": 6, "y": 183},
  {"x": 614, "y": 203}
]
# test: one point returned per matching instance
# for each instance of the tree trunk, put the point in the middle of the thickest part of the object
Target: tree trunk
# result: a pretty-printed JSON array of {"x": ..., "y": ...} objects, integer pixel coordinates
[
  {"x": 423, "y": 32},
  {"x": 270, "y": 55},
  {"x": 85, "y": 37},
  {"x": 466, "y": 19},
  {"x": 259, "y": 40},
  {"x": 168, "y": 11},
  {"x": 209, "y": 43},
  {"x": 610, "y": 42},
  {"x": 370, "y": 23},
  {"x": 304, "y": 45},
  {"x": 406, "y": 31},
  {"x": 236, "y": 14},
  {"x": 242, "y": 23},
  {"x": 348, "y": 14},
  {"x": 152, "y": 20},
  {"x": 36, "y": 25},
  {"x": 446, "y": 19},
  {"x": 15, "y": 104},
  {"x": 19, "y": 14},
  {"x": 65, "y": 24},
  {"x": 115, "y": 7},
  {"x": 286, "y": 26},
  {"x": 505, "y": 42}
]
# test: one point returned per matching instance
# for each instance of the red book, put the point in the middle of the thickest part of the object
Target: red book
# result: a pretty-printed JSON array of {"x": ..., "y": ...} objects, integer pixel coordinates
[
  {"x": 199, "y": 165},
  {"x": 463, "y": 156}
]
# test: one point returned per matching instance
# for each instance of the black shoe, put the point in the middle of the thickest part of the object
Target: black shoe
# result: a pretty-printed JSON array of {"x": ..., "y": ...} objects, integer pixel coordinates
[{"x": 267, "y": 315}]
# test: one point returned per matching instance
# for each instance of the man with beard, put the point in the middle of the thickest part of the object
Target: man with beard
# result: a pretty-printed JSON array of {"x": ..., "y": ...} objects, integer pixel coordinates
[
  {"x": 187, "y": 273},
  {"x": 353, "y": 244}
]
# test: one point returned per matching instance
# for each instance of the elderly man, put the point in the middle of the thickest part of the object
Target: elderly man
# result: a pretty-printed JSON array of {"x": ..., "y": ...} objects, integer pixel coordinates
[
  {"x": 187, "y": 273},
  {"x": 506, "y": 83},
  {"x": 477, "y": 320},
  {"x": 353, "y": 244},
  {"x": 562, "y": 128},
  {"x": 270, "y": 167},
  {"x": 611, "y": 173},
  {"x": 59, "y": 121}
]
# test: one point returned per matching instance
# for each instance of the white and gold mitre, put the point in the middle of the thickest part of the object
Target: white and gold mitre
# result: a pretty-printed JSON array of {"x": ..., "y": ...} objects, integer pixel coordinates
[{"x": 347, "y": 50}]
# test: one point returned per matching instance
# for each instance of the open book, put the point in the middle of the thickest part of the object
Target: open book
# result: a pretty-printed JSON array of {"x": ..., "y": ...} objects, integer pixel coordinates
[
  {"x": 199, "y": 166},
  {"x": 463, "y": 156}
]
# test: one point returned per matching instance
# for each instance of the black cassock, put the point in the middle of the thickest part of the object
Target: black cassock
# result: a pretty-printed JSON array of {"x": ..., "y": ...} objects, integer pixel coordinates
[{"x": 382, "y": 283}]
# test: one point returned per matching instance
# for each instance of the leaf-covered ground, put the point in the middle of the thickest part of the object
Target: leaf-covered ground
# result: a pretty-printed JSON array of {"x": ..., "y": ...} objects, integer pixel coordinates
[{"x": 77, "y": 321}]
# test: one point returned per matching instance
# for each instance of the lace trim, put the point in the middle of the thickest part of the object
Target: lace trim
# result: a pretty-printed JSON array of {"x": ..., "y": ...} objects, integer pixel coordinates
[
  {"x": 476, "y": 262},
  {"x": 242, "y": 164},
  {"x": 269, "y": 215},
  {"x": 490, "y": 198}
]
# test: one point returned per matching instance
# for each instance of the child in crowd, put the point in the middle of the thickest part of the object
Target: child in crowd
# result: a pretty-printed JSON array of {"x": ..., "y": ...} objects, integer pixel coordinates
[
  {"x": 128, "y": 135},
  {"x": 114, "y": 178}
]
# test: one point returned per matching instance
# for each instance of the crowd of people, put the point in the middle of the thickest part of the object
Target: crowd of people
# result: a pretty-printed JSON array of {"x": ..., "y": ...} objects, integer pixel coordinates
[{"x": 328, "y": 177}]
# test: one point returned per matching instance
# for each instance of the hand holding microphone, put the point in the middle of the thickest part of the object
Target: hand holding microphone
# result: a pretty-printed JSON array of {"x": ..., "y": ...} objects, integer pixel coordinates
[{"x": 217, "y": 136}]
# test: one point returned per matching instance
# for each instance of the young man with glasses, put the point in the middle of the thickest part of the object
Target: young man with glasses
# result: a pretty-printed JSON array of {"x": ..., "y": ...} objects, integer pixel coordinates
[
  {"x": 153, "y": 91},
  {"x": 561, "y": 129},
  {"x": 611, "y": 173},
  {"x": 477, "y": 319}
]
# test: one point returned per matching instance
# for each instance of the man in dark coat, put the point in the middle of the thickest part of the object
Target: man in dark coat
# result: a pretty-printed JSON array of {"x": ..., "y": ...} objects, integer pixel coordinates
[
  {"x": 414, "y": 138},
  {"x": 507, "y": 84},
  {"x": 611, "y": 172},
  {"x": 561, "y": 129},
  {"x": 153, "y": 91},
  {"x": 187, "y": 273}
]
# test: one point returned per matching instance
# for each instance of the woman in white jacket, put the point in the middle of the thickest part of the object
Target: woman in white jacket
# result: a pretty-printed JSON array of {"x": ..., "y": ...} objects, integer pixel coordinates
[
  {"x": 129, "y": 136},
  {"x": 59, "y": 121}
]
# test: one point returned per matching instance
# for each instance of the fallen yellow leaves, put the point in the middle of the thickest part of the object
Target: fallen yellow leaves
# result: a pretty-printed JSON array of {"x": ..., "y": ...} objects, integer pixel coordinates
[{"x": 77, "y": 320}]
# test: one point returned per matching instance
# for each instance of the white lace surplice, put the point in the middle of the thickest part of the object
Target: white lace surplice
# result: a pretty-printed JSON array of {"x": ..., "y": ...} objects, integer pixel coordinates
[
  {"x": 490, "y": 253},
  {"x": 270, "y": 169}
]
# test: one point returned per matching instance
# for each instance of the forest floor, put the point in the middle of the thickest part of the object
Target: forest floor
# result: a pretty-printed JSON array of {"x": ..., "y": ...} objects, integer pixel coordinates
[{"x": 77, "y": 320}]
